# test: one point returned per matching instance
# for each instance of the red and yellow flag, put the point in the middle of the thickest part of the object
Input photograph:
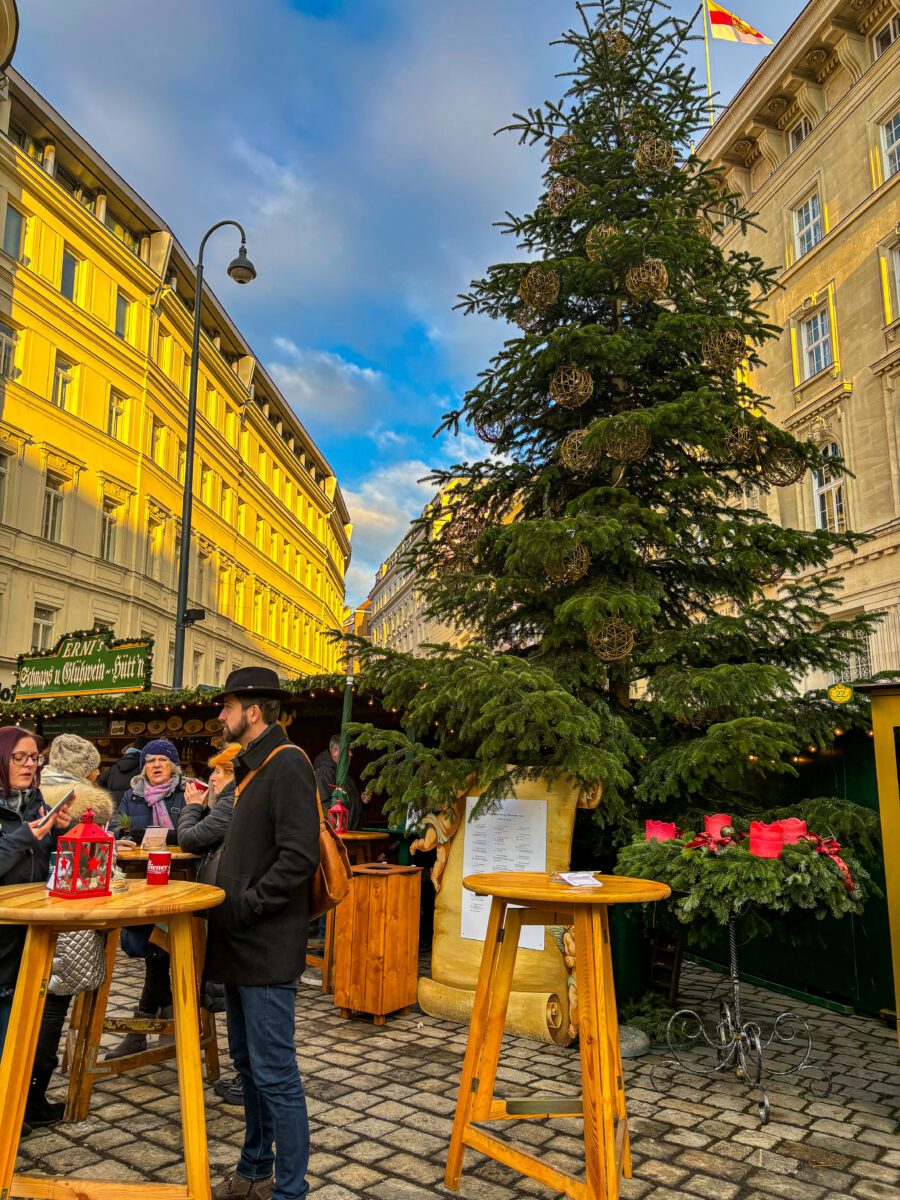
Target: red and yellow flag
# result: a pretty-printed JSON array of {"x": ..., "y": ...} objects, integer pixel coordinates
[{"x": 729, "y": 28}]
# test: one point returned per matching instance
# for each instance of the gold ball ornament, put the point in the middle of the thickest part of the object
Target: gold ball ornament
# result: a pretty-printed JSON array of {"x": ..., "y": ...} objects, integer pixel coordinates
[
  {"x": 540, "y": 287},
  {"x": 527, "y": 317},
  {"x": 570, "y": 567},
  {"x": 562, "y": 149},
  {"x": 742, "y": 443},
  {"x": 561, "y": 192},
  {"x": 703, "y": 226},
  {"x": 571, "y": 386},
  {"x": 458, "y": 537},
  {"x": 782, "y": 466},
  {"x": 626, "y": 441},
  {"x": 770, "y": 574},
  {"x": 489, "y": 429},
  {"x": 616, "y": 41},
  {"x": 595, "y": 242},
  {"x": 654, "y": 157},
  {"x": 647, "y": 280},
  {"x": 574, "y": 455},
  {"x": 724, "y": 350},
  {"x": 613, "y": 640}
]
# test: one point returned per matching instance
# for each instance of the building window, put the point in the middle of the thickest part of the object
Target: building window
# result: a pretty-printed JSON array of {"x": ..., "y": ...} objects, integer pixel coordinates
[
  {"x": 109, "y": 524},
  {"x": 14, "y": 233},
  {"x": 257, "y": 612},
  {"x": 807, "y": 225},
  {"x": 205, "y": 484},
  {"x": 122, "y": 233},
  {"x": 63, "y": 383},
  {"x": 7, "y": 351},
  {"x": 68, "y": 280},
  {"x": 894, "y": 256},
  {"x": 242, "y": 518},
  {"x": 260, "y": 534},
  {"x": 152, "y": 548},
  {"x": 885, "y": 37},
  {"x": 225, "y": 505},
  {"x": 51, "y": 514},
  {"x": 890, "y": 137},
  {"x": 856, "y": 666},
  {"x": 157, "y": 441},
  {"x": 799, "y": 133},
  {"x": 123, "y": 315},
  {"x": 181, "y": 461},
  {"x": 4, "y": 479},
  {"x": 817, "y": 350},
  {"x": 219, "y": 670},
  {"x": 828, "y": 493},
  {"x": 42, "y": 627},
  {"x": 115, "y": 414}
]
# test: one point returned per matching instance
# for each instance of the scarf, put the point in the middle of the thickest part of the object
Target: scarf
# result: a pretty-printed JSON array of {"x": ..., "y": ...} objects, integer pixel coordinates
[
  {"x": 155, "y": 799},
  {"x": 16, "y": 799}
]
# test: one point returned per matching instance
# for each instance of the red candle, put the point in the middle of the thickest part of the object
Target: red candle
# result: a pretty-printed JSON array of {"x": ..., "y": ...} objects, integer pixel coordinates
[
  {"x": 714, "y": 824},
  {"x": 766, "y": 841},
  {"x": 793, "y": 829},
  {"x": 663, "y": 831}
]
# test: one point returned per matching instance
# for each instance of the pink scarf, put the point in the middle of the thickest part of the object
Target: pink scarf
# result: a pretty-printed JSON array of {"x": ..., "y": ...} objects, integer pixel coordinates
[{"x": 155, "y": 799}]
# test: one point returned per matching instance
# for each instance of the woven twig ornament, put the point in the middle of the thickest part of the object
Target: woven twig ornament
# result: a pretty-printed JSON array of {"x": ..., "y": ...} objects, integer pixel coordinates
[
  {"x": 742, "y": 443},
  {"x": 458, "y": 537},
  {"x": 703, "y": 226},
  {"x": 654, "y": 157},
  {"x": 616, "y": 42},
  {"x": 782, "y": 466},
  {"x": 570, "y": 567},
  {"x": 571, "y": 386},
  {"x": 724, "y": 350},
  {"x": 489, "y": 429},
  {"x": 613, "y": 640},
  {"x": 540, "y": 287},
  {"x": 595, "y": 242},
  {"x": 562, "y": 149},
  {"x": 626, "y": 441},
  {"x": 574, "y": 455},
  {"x": 527, "y": 317},
  {"x": 647, "y": 280},
  {"x": 770, "y": 574},
  {"x": 562, "y": 192}
]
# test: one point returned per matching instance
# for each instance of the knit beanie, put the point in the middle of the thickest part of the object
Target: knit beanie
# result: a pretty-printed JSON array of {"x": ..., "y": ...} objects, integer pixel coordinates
[
  {"x": 73, "y": 755},
  {"x": 161, "y": 748}
]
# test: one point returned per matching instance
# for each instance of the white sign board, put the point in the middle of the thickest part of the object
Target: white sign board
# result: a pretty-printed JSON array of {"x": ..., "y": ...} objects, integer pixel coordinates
[{"x": 513, "y": 838}]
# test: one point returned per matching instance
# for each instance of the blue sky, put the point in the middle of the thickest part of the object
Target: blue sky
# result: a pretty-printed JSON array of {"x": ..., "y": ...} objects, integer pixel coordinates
[{"x": 354, "y": 140}]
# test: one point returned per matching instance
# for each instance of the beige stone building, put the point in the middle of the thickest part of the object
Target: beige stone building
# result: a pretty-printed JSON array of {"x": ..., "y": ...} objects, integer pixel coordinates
[{"x": 812, "y": 142}]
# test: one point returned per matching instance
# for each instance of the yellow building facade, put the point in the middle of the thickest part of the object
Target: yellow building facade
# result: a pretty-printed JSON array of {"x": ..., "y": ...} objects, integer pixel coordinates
[
  {"x": 812, "y": 143},
  {"x": 96, "y": 310}
]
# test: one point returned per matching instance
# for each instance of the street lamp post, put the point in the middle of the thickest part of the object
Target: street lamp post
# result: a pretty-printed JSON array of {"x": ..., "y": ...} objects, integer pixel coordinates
[{"x": 241, "y": 270}]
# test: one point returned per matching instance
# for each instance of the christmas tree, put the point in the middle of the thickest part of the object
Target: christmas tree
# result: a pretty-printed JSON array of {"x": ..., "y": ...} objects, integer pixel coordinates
[{"x": 636, "y": 621}]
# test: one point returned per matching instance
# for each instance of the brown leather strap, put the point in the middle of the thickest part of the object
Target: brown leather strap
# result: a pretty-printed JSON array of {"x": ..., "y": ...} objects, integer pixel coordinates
[{"x": 284, "y": 746}]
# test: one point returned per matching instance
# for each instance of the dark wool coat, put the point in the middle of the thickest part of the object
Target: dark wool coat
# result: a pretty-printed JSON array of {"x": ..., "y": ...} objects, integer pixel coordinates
[
  {"x": 257, "y": 936},
  {"x": 117, "y": 778}
]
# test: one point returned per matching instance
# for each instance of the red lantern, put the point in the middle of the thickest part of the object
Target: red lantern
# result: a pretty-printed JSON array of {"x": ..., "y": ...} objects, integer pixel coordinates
[
  {"x": 714, "y": 824},
  {"x": 766, "y": 841},
  {"x": 83, "y": 861},
  {"x": 338, "y": 816},
  {"x": 662, "y": 831},
  {"x": 793, "y": 829}
]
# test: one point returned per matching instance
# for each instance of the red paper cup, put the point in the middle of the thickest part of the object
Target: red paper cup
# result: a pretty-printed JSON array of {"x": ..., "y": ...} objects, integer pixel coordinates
[
  {"x": 159, "y": 863},
  {"x": 714, "y": 824}
]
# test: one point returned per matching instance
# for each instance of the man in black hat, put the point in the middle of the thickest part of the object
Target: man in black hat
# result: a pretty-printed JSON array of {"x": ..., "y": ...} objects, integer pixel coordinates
[{"x": 256, "y": 944}]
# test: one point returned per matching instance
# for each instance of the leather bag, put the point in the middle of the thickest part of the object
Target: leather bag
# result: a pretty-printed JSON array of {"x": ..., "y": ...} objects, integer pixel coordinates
[{"x": 331, "y": 882}]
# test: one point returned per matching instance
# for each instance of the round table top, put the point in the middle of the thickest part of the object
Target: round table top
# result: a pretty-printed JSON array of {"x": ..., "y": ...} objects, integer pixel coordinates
[
  {"x": 522, "y": 886},
  {"x": 29, "y": 904},
  {"x": 355, "y": 835},
  {"x": 139, "y": 855}
]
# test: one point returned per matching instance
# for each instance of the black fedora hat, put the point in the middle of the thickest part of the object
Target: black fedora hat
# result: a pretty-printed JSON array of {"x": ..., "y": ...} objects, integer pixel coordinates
[{"x": 252, "y": 681}]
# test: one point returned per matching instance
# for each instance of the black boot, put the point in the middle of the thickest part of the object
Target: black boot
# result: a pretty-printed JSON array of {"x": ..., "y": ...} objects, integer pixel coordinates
[{"x": 40, "y": 1112}]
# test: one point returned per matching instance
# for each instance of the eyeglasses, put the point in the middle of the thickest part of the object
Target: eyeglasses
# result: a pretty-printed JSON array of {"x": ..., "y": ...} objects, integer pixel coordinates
[{"x": 21, "y": 757}]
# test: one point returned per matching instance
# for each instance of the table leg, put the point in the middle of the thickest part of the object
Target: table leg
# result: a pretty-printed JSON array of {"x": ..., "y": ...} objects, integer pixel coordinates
[
  {"x": 187, "y": 1045},
  {"x": 615, "y": 1046},
  {"x": 496, "y": 1016},
  {"x": 209, "y": 1037},
  {"x": 472, "y": 1061},
  {"x": 599, "y": 1137},
  {"x": 20, "y": 1044},
  {"x": 87, "y": 1042},
  {"x": 328, "y": 952}
]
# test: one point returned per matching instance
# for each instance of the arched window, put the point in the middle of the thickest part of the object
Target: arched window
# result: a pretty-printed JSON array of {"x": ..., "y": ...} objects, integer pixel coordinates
[{"x": 828, "y": 493}]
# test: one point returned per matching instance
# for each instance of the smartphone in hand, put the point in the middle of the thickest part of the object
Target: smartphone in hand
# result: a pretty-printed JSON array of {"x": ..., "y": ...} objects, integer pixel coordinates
[{"x": 67, "y": 799}]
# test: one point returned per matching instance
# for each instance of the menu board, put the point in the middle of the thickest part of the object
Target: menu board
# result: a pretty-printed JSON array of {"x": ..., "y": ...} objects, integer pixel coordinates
[{"x": 512, "y": 838}]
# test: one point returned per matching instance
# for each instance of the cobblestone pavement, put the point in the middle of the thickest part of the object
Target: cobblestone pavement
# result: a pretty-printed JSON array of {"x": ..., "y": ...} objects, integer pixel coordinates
[{"x": 381, "y": 1102}]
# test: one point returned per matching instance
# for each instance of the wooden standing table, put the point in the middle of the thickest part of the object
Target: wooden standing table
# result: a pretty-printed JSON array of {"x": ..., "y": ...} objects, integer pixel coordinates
[
  {"x": 602, "y": 1102},
  {"x": 46, "y": 916}
]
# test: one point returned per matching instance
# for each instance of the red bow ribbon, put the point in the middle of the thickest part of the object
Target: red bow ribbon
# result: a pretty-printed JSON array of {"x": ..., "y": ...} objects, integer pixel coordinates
[
  {"x": 712, "y": 843},
  {"x": 830, "y": 848}
]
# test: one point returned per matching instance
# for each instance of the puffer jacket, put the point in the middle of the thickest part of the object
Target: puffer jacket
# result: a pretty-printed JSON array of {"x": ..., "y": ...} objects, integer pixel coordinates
[
  {"x": 23, "y": 859},
  {"x": 135, "y": 807}
]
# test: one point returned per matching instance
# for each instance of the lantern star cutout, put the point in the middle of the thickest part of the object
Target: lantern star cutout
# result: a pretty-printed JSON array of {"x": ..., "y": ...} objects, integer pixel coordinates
[{"x": 93, "y": 864}]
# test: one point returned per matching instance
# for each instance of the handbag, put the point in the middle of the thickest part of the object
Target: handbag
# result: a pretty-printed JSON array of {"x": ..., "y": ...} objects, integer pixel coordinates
[
  {"x": 79, "y": 964},
  {"x": 331, "y": 882}
]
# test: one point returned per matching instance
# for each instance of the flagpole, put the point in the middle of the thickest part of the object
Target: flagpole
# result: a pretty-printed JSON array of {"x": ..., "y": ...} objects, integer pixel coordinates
[{"x": 709, "y": 91}]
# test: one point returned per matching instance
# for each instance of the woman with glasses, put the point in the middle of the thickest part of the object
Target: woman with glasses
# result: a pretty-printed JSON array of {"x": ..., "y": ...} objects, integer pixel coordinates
[{"x": 26, "y": 843}]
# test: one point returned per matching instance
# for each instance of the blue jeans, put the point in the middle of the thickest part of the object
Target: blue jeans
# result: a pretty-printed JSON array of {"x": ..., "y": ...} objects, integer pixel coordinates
[
  {"x": 261, "y": 1040},
  {"x": 5, "y": 1010}
]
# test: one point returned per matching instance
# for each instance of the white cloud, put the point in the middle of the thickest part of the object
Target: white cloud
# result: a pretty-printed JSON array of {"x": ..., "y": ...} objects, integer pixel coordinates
[{"x": 324, "y": 389}]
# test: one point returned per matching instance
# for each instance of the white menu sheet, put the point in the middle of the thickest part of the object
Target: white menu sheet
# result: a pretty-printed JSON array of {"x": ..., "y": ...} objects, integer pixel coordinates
[{"x": 514, "y": 838}]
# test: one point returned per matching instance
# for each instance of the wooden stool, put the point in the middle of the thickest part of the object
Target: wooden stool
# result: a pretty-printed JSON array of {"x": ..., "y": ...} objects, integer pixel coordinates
[
  {"x": 45, "y": 916},
  {"x": 602, "y": 1103}
]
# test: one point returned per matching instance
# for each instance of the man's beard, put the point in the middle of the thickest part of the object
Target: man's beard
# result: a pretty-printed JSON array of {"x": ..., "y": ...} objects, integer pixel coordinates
[{"x": 235, "y": 734}]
